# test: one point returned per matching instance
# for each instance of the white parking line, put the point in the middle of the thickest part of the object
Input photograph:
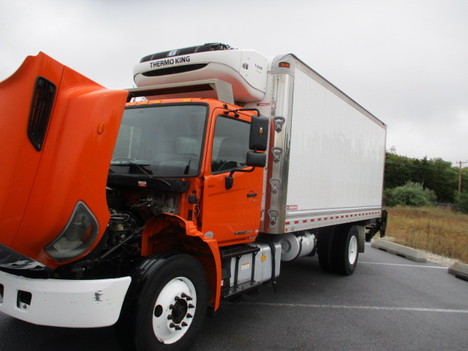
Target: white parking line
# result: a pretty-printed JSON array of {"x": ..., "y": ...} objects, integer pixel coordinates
[
  {"x": 379, "y": 308},
  {"x": 404, "y": 265}
]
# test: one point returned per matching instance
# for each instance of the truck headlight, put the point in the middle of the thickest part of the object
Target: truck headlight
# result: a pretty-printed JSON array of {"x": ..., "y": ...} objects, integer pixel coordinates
[{"x": 79, "y": 234}]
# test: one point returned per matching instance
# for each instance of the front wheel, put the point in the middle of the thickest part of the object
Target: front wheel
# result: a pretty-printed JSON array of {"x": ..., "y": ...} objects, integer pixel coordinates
[{"x": 168, "y": 304}]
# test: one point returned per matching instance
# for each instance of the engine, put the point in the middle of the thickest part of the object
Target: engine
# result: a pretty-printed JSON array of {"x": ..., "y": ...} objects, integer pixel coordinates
[{"x": 120, "y": 246}]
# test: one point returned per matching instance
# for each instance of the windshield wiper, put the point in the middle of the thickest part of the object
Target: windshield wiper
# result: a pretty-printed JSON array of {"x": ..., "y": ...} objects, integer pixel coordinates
[
  {"x": 128, "y": 162},
  {"x": 187, "y": 167},
  {"x": 139, "y": 165}
]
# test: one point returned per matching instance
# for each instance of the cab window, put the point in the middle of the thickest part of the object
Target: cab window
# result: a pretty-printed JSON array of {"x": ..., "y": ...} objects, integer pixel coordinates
[{"x": 230, "y": 144}]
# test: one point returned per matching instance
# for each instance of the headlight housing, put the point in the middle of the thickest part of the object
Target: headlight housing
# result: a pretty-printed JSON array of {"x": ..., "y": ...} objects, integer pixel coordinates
[{"x": 79, "y": 234}]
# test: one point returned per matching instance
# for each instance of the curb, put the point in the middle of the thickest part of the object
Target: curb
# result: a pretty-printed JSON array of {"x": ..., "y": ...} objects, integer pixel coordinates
[
  {"x": 459, "y": 270},
  {"x": 400, "y": 250}
]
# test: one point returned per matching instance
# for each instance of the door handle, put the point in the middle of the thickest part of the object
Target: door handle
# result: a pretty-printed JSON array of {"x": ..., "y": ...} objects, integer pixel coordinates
[{"x": 251, "y": 194}]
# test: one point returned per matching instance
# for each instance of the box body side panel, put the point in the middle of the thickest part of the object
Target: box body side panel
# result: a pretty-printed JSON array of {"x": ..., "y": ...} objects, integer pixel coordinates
[
  {"x": 331, "y": 155},
  {"x": 336, "y": 154}
]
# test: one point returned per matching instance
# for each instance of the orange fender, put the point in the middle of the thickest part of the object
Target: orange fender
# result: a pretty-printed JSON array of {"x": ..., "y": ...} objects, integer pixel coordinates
[{"x": 168, "y": 232}]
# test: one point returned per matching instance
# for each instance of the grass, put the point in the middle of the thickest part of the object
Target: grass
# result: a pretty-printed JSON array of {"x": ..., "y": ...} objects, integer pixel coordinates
[{"x": 437, "y": 230}]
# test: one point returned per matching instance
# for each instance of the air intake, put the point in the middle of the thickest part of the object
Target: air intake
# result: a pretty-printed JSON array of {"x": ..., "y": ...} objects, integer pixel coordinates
[{"x": 41, "y": 108}]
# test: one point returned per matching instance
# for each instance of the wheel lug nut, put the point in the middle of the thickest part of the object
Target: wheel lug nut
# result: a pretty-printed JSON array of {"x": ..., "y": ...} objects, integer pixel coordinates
[
  {"x": 184, "y": 324},
  {"x": 190, "y": 305},
  {"x": 175, "y": 326},
  {"x": 189, "y": 315},
  {"x": 185, "y": 296}
]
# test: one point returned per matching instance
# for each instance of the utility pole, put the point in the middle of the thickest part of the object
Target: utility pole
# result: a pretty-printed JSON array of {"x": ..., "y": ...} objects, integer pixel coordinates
[{"x": 460, "y": 163}]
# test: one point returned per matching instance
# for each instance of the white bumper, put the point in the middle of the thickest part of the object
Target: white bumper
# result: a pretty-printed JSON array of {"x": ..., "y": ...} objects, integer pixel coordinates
[{"x": 63, "y": 303}]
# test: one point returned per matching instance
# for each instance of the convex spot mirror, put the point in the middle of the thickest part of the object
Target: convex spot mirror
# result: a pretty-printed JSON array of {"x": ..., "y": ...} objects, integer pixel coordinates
[{"x": 256, "y": 159}]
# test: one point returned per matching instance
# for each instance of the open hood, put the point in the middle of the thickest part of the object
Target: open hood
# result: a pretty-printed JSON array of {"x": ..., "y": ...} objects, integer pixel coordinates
[{"x": 57, "y": 134}]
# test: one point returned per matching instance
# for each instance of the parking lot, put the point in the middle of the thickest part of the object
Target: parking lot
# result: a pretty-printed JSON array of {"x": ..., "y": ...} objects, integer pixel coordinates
[{"x": 390, "y": 303}]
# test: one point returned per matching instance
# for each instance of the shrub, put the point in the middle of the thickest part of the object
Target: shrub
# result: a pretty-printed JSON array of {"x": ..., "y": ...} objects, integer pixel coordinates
[{"x": 410, "y": 194}]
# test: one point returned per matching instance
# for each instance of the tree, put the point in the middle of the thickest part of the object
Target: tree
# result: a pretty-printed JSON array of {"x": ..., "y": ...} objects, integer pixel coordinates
[
  {"x": 442, "y": 178},
  {"x": 461, "y": 203},
  {"x": 398, "y": 170}
]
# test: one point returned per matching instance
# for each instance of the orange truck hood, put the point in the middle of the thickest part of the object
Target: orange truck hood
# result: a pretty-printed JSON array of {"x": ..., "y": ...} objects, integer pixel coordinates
[{"x": 40, "y": 188}]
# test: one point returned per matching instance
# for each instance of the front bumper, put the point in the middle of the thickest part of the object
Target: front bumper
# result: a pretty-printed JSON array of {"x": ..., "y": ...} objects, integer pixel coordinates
[{"x": 63, "y": 303}]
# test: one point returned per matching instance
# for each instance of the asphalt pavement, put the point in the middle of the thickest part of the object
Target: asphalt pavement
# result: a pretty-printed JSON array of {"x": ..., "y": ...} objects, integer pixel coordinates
[{"x": 389, "y": 303}]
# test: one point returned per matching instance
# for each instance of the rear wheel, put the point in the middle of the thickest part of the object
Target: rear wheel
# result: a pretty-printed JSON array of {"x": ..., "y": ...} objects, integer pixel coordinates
[
  {"x": 325, "y": 248},
  {"x": 346, "y": 252},
  {"x": 167, "y": 306}
]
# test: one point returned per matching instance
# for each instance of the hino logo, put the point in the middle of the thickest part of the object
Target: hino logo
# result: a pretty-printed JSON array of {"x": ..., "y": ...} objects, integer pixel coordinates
[{"x": 170, "y": 61}]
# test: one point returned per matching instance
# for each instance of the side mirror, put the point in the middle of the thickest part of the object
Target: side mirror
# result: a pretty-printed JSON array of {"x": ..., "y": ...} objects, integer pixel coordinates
[
  {"x": 259, "y": 128},
  {"x": 256, "y": 159}
]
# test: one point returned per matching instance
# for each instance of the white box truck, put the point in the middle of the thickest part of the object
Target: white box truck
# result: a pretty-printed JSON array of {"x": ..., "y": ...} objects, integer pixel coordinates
[{"x": 145, "y": 207}]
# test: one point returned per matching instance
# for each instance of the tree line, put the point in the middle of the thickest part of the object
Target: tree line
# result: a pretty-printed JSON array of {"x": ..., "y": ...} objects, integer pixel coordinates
[{"x": 431, "y": 175}]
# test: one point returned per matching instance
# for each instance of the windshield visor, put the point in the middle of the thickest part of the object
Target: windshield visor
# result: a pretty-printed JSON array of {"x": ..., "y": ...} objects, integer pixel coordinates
[{"x": 160, "y": 141}]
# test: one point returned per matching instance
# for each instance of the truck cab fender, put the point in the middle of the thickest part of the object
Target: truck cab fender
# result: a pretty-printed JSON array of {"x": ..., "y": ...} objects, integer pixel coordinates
[{"x": 171, "y": 233}]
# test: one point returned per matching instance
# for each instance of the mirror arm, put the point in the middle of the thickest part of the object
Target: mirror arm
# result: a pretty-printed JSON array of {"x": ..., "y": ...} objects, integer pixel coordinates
[
  {"x": 229, "y": 180},
  {"x": 245, "y": 109},
  {"x": 241, "y": 170}
]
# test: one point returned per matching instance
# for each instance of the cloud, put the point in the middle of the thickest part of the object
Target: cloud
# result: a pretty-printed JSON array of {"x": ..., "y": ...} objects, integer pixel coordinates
[{"x": 406, "y": 61}]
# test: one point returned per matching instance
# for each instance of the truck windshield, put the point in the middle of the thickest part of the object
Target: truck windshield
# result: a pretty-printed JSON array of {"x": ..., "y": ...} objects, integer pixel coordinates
[{"x": 160, "y": 140}]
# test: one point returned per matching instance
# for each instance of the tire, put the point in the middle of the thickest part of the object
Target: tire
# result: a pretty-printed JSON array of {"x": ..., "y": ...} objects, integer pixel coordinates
[
  {"x": 346, "y": 251},
  {"x": 166, "y": 305},
  {"x": 325, "y": 248}
]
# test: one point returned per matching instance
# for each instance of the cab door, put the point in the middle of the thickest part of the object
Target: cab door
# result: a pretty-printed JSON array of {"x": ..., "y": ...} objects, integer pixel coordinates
[{"x": 232, "y": 214}]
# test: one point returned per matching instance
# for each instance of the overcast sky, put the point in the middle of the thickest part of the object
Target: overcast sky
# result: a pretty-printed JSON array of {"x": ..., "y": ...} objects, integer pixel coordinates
[{"x": 406, "y": 61}]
